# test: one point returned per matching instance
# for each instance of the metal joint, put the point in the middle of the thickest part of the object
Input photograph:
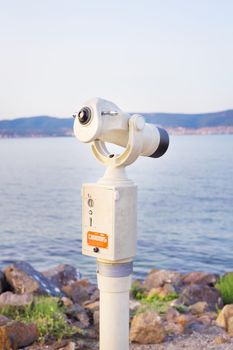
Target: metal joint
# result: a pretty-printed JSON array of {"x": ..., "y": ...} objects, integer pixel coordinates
[{"x": 115, "y": 270}]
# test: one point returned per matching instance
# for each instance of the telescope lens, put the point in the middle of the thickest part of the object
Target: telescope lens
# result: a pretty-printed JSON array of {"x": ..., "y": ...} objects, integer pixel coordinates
[{"x": 84, "y": 116}]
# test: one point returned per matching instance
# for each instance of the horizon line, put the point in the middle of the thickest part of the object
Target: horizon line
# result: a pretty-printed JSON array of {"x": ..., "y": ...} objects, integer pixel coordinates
[{"x": 146, "y": 113}]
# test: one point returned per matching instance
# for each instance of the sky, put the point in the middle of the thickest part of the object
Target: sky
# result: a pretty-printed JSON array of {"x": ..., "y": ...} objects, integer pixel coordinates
[{"x": 143, "y": 55}]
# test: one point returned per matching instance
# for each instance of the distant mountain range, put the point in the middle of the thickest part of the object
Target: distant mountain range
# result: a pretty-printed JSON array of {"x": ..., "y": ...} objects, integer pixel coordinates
[
  {"x": 218, "y": 122},
  {"x": 192, "y": 121},
  {"x": 36, "y": 126}
]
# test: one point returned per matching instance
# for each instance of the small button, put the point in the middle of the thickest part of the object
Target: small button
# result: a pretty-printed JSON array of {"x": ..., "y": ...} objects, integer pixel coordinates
[
  {"x": 90, "y": 212},
  {"x": 96, "y": 250}
]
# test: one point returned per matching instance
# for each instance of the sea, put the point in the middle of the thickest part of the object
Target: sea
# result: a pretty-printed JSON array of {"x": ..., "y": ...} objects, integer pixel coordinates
[{"x": 185, "y": 204}]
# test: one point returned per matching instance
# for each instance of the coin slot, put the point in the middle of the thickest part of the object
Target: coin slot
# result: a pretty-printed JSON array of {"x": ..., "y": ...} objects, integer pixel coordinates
[{"x": 90, "y": 202}]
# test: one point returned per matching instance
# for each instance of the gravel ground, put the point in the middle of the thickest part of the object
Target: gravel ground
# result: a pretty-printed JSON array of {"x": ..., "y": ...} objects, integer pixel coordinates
[{"x": 195, "y": 341}]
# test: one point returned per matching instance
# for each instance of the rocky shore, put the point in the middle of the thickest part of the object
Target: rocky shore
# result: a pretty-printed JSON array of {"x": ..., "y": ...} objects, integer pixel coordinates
[{"x": 54, "y": 309}]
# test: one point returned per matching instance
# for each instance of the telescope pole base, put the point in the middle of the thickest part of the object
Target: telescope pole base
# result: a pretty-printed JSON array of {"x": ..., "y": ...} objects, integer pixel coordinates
[{"x": 114, "y": 310}]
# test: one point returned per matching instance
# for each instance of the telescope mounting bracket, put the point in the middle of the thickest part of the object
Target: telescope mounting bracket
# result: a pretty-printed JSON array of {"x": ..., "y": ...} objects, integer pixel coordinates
[{"x": 132, "y": 149}]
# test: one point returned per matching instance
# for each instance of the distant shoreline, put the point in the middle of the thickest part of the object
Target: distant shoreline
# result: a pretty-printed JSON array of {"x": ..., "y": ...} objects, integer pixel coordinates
[
  {"x": 218, "y": 130},
  {"x": 217, "y": 123},
  {"x": 179, "y": 131}
]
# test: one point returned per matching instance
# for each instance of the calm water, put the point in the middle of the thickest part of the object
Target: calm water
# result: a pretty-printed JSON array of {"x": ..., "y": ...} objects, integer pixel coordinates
[{"x": 185, "y": 204}]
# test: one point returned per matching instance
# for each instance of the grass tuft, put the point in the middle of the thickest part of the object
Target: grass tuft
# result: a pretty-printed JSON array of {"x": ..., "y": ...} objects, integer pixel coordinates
[
  {"x": 181, "y": 308},
  {"x": 47, "y": 314},
  {"x": 137, "y": 291},
  {"x": 155, "y": 297},
  {"x": 156, "y": 303},
  {"x": 225, "y": 287}
]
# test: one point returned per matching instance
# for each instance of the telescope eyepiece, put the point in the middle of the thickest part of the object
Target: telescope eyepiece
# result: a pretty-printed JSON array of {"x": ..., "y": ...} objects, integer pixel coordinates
[{"x": 84, "y": 115}]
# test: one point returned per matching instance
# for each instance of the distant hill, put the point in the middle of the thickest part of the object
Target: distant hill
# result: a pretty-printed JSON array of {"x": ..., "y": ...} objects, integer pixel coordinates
[
  {"x": 36, "y": 126},
  {"x": 51, "y": 126},
  {"x": 192, "y": 121}
]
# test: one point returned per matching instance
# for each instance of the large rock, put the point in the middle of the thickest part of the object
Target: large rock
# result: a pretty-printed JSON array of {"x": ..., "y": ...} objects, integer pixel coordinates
[
  {"x": 23, "y": 278},
  {"x": 222, "y": 339},
  {"x": 225, "y": 319},
  {"x": 90, "y": 333},
  {"x": 205, "y": 319},
  {"x": 133, "y": 306},
  {"x": 209, "y": 279},
  {"x": 147, "y": 328},
  {"x": 184, "y": 319},
  {"x": 62, "y": 275},
  {"x": 199, "y": 308},
  {"x": 9, "y": 298},
  {"x": 94, "y": 294},
  {"x": 3, "y": 320},
  {"x": 93, "y": 306},
  {"x": 172, "y": 328},
  {"x": 158, "y": 278},
  {"x": 96, "y": 318},
  {"x": 195, "y": 293},
  {"x": 2, "y": 279},
  {"x": 4, "y": 286},
  {"x": 69, "y": 346},
  {"x": 15, "y": 335},
  {"x": 80, "y": 291},
  {"x": 80, "y": 314},
  {"x": 67, "y": 302},
  {"x": 164, "y": 291},
  {"x": 176, "y": 323},
  {"x": 171, "y": 314},
  {"x": 170, "y": 325}
]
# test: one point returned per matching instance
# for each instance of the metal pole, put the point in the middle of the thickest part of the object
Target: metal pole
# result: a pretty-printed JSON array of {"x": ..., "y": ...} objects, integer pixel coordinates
[{"x": 114, "y": 281}]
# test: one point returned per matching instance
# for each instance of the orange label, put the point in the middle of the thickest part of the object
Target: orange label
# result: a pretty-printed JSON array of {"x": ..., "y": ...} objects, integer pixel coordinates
[{"x": 97, "y": 239}]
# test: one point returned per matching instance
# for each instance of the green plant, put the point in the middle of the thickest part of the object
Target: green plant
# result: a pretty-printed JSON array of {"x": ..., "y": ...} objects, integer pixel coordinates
[
  {"x": 155, "y": 297},
  {"x": 137, "y": 291},
  {"x": 159, "y": 307},
  {"x": 156, "y": 302},
  {"x": 47, "y": 314},
  {"x": 225, "y": 287},
  {"x": 181, "y": 308}
]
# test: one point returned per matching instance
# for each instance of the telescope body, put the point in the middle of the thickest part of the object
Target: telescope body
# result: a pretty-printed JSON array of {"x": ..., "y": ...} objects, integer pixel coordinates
[{"x": 102, "y": 120}]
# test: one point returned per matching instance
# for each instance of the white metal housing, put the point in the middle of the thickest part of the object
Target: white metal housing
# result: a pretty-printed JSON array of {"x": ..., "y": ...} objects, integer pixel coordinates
[{"x": 109, "y": 221}]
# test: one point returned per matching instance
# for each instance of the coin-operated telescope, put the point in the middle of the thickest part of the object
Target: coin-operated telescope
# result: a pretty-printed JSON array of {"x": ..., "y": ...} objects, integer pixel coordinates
[{"x": 109, "y": 219}]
